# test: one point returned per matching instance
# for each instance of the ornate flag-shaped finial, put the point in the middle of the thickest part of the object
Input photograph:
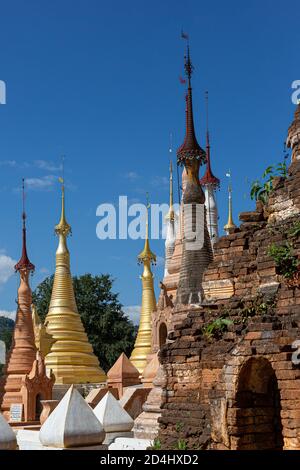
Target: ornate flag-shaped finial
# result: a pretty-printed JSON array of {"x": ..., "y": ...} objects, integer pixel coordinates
[
  {"x": 24, "y": 262},
  {"x": 63, "y": 228}
]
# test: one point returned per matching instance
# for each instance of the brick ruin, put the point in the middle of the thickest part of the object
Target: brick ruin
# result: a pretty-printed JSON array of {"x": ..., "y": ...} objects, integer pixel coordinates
[{"x": 230, "y": 381}]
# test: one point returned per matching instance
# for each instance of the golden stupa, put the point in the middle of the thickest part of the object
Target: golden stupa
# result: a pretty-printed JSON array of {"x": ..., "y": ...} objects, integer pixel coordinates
[
  {"x": 230, "y": 226},
  {"x": 42, "y": 339},
  {"x": 143, "y": 340},
  {"x": 71, "y": 356}
]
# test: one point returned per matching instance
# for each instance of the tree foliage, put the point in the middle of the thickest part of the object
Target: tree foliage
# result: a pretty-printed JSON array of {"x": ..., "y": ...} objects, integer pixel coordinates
[
  {"x": 287, "y": 263},
  {"x": 109, "y": 330}
]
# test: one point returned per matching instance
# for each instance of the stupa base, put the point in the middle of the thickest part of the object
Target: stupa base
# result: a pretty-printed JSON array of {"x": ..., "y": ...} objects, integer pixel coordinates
[
  {"x": 59, "y": 390},
  {"x": 29, "y": 440},
  {"x": 73, "y": 374}
]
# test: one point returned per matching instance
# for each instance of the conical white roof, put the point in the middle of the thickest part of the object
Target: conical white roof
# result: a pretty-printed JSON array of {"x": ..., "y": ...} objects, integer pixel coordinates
[
  {"x": 7, "y": 436},
  {"x": 112, "y": 416},
  {"x": 72, "y": 423}
]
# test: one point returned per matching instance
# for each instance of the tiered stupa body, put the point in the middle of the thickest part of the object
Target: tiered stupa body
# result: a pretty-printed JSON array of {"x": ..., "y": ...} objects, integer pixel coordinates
[
  {"x": 171, "y": 221},
  {"x": 172, "y": 278},
  {"x": 163, "y": 319},
  {"x": 211, "y": 213},
  {"x": 142, "y": 347},
  {"x": 195, "y": 256},
  {"x": 23, "y": 352},
  {"x": 293, "y": 140},
  {"x": 71, "y": 356}
]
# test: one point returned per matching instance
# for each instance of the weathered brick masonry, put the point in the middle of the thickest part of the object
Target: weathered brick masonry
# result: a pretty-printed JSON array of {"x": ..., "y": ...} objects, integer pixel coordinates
[{"x": 235, "y": 386}]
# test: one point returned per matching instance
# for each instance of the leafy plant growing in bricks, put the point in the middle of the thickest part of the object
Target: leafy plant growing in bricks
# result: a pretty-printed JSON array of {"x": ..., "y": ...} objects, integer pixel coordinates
[
  {"x": 287, "y": 264},
  {"x": 259, "y": 305},
  {"x": 261, "y": 189},
  {"x": 216, "y": 327},
  {"x": 181, "y": 444},
  {"x": 156, "y": 445},
  {"x": 179, "y": 427},
  {"x": 294, "y": 231},
  {"x": 247, "y": 312}
]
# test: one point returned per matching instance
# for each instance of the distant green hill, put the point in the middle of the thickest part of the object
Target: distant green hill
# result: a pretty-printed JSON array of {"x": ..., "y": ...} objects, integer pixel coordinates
[
  {"x": 6, "y": 322},
  {"x": 6, "y": 329}
]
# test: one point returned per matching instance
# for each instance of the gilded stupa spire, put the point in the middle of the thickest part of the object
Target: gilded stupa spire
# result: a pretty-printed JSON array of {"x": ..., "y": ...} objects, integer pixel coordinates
[
  {"x": 230, "y": 224},
  {"x": 146, "y": 254},
  {"x": 170, "y": 215},
  {"x": 63, "y": 228},
  {"x": 143, "y": 341},
  {"x": 71, "y": 356}
]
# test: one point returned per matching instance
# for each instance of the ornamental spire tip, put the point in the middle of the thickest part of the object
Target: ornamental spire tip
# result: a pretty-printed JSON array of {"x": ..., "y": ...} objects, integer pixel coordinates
[
  {"x": 147, "y": 255},
  {"x": 24, "y": 262}
]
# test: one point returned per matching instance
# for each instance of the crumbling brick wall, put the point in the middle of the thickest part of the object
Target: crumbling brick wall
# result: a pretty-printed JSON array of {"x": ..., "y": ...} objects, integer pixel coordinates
[{"x": 235, "y": 386}]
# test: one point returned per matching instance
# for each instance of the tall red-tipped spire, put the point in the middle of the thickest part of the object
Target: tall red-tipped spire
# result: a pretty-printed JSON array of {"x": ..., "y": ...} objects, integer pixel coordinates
[
  {"x": 209, "y": 178},
  {"x": 24, "y": 262},
  {"x": 190, "y": 148}
]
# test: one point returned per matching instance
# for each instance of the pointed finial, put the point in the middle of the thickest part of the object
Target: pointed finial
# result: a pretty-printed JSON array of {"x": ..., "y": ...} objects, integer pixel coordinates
[
  {"x": 228, "y": 175},
  {"x": 62, "y": 228},
  {"x": 209, "y": 179},
  {"x": 148, "y": 205},
  {"x": 207, "y": 130},
  {"x": 170, "y": 215},
  {"x": 171, "y": 145},
  {"x": 24, "y": 263},
  {"x": 171, "y": 183},
  {"x": 171, "y": 212},
  {"x": 230, "y": 224},
  {"x": 23, "y": 203},
  {"x": 188, "y": 66},
  {"x": 63, "y": 166},
  {"x": 146, "y": 255},
  {"x": 190, "y": 149}
]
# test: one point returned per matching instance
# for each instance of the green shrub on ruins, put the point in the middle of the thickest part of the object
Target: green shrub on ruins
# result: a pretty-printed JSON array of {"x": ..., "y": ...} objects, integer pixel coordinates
[
  {"x": 216, "y": 327},
  {"x": 285, "y": 260},
  {"x": 261, "y": 189}
]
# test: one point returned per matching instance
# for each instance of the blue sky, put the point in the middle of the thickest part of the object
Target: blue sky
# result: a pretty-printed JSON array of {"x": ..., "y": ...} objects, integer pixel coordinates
[{"x": 98, "y": 82}]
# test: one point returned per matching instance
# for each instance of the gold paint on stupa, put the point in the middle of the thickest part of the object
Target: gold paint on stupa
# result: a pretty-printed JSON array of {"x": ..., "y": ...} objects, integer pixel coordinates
[
  {"x": 230, "y": 224},
  {"x": 143, "y": 340},
  {"x": 71, "y": 357},
  {"x": 42, "y": 339}
]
